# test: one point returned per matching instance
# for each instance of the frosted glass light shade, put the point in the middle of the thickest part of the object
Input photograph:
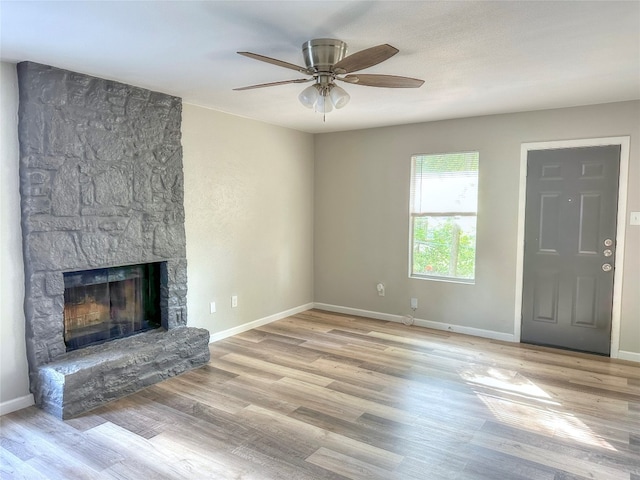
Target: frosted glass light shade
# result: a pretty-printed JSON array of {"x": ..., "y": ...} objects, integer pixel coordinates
[
  {"x": 339, "y": 97},
  {"x": 324, "y": 98},
  {"x": 323, "y": 105},
  {"x": 309, "y": 96}
]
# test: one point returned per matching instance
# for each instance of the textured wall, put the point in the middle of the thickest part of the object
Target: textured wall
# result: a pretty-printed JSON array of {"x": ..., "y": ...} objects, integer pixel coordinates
[
  {"x": 102, "y": 185},
  {"x": 14, "y": 381},
  {"x": 249, "y": 218},
  {"x": 362, "y": 222}
]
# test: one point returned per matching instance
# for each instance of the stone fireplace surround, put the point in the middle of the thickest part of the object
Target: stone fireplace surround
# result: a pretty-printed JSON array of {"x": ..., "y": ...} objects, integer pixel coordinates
[{"x": 101, "y": 185}]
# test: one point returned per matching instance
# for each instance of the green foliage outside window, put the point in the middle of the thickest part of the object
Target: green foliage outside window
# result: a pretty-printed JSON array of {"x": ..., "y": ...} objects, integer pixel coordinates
[{"x": 442, "y": 248}]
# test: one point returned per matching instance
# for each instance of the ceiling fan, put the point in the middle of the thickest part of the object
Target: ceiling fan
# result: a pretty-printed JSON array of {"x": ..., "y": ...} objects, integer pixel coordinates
[{"x": 326, "y": 61}]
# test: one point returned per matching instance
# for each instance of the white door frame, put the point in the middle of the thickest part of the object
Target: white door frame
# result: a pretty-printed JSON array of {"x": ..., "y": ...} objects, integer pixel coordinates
[{"x": 620, "y": 229}]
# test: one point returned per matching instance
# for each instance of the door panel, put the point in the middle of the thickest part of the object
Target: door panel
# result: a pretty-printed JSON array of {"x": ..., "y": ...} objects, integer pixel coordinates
[
  {"x": 545, "y": 293},
  {"x": 548, "y": 233},
  {"x": 570, "y": 211},
  {"x": 584, "y": 308},
  {"x": 589, "y": 222}
]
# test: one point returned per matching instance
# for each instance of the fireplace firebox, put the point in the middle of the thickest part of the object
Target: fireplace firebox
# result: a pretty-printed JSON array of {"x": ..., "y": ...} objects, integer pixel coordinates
[{"x": 108, "y": 303}]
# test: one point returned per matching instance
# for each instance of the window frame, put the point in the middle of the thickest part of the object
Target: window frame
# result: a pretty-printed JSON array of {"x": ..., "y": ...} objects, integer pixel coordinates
[{"x": 413, "y": 216}]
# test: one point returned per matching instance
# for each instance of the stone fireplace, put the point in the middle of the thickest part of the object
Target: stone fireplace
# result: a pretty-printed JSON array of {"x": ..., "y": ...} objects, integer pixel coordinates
[{"x": 103, "y": 239}]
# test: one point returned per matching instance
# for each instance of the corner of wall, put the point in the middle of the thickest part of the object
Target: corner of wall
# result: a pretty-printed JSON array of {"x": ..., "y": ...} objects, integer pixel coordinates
[{"x": 14, "y": 377}]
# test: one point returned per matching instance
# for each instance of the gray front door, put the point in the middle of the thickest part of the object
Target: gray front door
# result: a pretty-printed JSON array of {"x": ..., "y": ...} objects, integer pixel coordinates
[{"x": 570, "y": 226}]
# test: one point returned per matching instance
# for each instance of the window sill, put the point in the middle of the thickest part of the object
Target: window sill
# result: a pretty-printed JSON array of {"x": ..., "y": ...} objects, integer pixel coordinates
[{"x": 464, "y": 281}]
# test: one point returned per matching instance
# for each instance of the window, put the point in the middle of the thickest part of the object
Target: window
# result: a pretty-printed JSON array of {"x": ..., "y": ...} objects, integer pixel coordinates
[{"x": 444, "y": 208}]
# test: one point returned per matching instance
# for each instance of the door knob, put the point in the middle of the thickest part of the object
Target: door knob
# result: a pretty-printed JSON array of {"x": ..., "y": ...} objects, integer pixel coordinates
[
  {"x": 607, "y": 253},
  {"x": 606, "y": 267}
]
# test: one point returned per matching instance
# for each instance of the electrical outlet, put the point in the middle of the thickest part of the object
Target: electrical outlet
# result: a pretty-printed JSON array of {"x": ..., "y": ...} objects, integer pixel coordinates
[
  {"x": 414, "y": 303},
  {"x": 234, "y": 301},
  {"x": 634, "y": 218},
  {"x": 212, "y": 307}
]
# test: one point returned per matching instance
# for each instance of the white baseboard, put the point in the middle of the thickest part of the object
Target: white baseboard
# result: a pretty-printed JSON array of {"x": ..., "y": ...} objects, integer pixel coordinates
[
  {"x": 258, "y": 323},
  {"x": 359, "y": 312},
  {"x": 449, "y": 327},
  {"x": 631, "y": 356},
  {"x": 16, "y": 404}
]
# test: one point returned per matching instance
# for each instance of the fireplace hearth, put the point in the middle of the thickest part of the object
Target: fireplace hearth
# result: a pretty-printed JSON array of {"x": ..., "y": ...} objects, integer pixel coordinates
[{"x": 104, "y": 245}]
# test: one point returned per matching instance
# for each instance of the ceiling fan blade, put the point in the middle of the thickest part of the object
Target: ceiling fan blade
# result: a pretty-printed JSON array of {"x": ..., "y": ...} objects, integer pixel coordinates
[
  {"x": 275, "y": 61},
  {"x": 273, "y": 84},
  {"x": 388, "y": 81},
  {"x": 365, "y": 59}
]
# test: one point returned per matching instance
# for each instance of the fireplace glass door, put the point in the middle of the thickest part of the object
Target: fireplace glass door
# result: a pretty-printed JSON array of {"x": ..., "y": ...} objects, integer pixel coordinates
[{"x": 109, "y": 303}]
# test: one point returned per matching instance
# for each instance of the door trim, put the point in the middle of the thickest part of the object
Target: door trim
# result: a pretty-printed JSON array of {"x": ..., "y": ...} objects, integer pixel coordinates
[{"x": 525, "y": 148}]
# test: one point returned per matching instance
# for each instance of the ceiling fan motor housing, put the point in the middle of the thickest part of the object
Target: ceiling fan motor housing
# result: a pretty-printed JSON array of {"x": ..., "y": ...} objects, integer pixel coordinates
[{"x": 321, "y": 54}]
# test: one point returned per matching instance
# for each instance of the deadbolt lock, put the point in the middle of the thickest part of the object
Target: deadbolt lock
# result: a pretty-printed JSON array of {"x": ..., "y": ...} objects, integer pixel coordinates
[{"x": 608, "y": 242}]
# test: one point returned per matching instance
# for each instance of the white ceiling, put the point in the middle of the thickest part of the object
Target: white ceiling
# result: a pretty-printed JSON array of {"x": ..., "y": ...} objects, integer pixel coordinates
[{"x": 476, "y": 58}]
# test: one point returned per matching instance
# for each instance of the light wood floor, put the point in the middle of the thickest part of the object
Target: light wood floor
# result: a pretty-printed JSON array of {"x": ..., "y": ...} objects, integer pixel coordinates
[{"x": 328, "y": 396}]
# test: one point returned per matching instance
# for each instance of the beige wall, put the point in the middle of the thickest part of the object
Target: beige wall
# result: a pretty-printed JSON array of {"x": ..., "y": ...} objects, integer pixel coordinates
[
  {"x": 362, "y": 224},
  {"x": 249, "y": 218},
  {"x": 14, "y": 379}
]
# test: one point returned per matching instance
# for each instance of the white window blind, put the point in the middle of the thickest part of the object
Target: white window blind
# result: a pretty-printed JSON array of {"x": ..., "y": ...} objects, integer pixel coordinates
[
  {"x": 446, "y": 183},
  {"x": 443, "y": 209}
]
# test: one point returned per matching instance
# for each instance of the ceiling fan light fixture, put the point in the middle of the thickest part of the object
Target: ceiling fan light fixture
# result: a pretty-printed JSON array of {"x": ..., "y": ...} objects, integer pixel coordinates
[
  {"x": 309, "y": 96},
  {"x": 323, "y": 98},
  {"x": 323, "y": 104},
  {"x": 326, "y": 61},
  {"x": 339, "y": 96}
]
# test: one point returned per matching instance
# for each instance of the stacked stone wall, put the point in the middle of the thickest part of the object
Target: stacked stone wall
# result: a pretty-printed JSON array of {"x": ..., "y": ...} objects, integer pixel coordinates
[{"x": 101, "y": 185}]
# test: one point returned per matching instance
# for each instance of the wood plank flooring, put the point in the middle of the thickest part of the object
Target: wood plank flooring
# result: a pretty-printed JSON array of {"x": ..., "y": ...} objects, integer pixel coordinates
[{"x": 328, "y": 396}]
